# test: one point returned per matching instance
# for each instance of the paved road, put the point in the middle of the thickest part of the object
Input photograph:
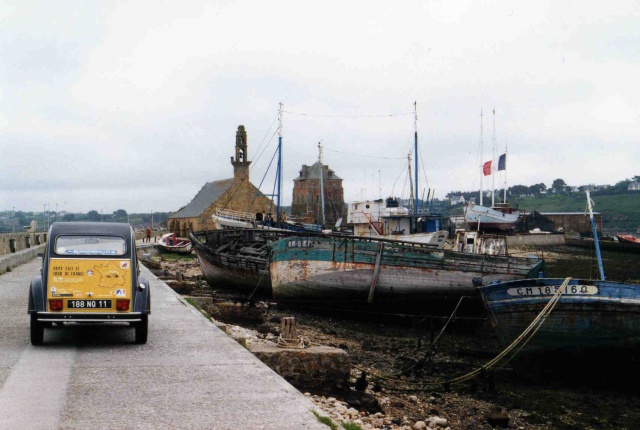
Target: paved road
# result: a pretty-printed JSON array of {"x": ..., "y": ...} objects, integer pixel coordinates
[{"x": 189, "y": 375}]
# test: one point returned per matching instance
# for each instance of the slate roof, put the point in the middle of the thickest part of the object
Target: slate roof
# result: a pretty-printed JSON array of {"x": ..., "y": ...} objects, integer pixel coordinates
[
  {"x": 313, "y": 172},
  {"x": 210, "y": 192}
]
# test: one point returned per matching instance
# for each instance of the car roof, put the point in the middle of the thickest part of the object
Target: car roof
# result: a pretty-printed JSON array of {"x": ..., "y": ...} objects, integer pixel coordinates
[{"x": 82, "y": 228}]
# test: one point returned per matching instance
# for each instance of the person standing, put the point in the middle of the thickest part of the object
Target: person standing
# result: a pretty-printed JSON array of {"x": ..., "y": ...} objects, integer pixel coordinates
[{"x": 148, "y": 234}]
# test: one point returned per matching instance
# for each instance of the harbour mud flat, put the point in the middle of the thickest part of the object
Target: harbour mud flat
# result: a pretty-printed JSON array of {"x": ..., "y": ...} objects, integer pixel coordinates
[{"x": 404, "y": 372}]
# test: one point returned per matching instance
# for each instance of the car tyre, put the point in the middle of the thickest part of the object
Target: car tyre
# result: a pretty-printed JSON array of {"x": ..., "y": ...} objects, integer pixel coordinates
[
  {"x": 37, "y": 331},
  {"x": 142, "y": 329}
]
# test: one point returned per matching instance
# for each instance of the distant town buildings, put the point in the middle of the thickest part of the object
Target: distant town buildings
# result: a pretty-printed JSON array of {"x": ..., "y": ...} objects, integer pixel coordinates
[{"x": 457, "y": 200}]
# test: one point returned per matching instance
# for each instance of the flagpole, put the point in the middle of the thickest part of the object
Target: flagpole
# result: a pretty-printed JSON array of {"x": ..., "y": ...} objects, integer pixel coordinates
[
  {"x": 481, "y": 158},
  {"x": 506, "y": 149},
  {"x": 493, "y": 162},
  {"x": 415, "y": 151}
]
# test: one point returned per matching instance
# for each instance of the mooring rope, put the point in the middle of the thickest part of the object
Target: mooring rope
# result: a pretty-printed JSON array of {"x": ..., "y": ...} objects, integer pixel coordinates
[
  {"x": 298, "y": 342},
  {"x": 520, "y": 342}
]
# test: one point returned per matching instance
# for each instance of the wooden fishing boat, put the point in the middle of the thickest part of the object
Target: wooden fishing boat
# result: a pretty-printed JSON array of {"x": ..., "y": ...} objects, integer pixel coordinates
[
  {"x": 389, "y": 220},
  {"x": 589, "y": 313},
  {"x": 356, "y": 269},
  {"x": 236, "y": 258},
  {"x": 477, "y": 242},
  {"x": 229, "y": 219},
  {"x": 171, "y": 243},
  {"x": 578, "y": 314}
]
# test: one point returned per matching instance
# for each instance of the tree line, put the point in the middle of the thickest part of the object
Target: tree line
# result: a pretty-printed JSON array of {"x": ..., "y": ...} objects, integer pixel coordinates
[
  {"x": 558, "y": 186},
  {"x": 16, "y": 221}
]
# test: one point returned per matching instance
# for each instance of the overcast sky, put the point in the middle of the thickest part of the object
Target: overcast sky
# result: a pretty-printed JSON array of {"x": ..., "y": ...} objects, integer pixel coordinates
[{"x": 134, "y": 105}]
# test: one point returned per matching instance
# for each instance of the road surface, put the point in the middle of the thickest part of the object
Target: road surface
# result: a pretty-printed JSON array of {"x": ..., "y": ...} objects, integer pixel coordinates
[{"x": 190, "y": 375}]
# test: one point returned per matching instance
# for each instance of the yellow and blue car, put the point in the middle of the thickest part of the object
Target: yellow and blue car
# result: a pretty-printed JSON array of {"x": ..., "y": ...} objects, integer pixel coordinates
[{"x": 90, "y": 274}]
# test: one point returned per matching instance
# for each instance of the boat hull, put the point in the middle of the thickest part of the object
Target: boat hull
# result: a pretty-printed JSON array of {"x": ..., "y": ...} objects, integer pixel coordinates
[
  {"x": 344, "y": 270},
  {"x": 171, "y": 243},
  {"x": 237, "y": 275},
  {"x": 489, "y": 219},
  {"x": 233, "y": 259},
  {"x": 590, "y": 314},
  {"x": 236, "y": 259},
  {"x": 178, "y": 249},
  {"x": 628, "y": 239}
]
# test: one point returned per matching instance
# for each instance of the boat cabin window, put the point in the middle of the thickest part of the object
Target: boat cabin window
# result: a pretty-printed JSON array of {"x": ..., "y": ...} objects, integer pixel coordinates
[
  {"x": 367, "y": 206},
  {"x": 470, "y": 241},
  {"x": 90, "y": 245}
]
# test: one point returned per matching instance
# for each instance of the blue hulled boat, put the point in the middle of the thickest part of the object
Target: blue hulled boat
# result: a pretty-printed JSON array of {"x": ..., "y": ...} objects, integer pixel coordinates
[
  {"x": 589, "y": 314},
  {"x": 566, "y": 314}
]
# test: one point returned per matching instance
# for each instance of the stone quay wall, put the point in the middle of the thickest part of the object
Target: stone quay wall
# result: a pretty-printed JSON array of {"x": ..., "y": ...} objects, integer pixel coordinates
[
  {"x": 536, "y": 240},
  {"x": 12, "y": 243},
  {"x": 319, "y": 367},
  {"x": 9, "y": 261}
]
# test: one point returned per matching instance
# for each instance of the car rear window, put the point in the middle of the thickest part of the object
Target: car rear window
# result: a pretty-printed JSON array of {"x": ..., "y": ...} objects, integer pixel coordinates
[{"x": 90, "y": 245}]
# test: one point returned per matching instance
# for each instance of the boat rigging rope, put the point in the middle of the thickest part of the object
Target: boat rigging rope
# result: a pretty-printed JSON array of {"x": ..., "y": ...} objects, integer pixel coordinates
[
  {"x": 365, "y": 155},
  {"x": 519, "y": 343},
  {"x": 256, "y": 288},
  {"x": 257, "y": 158},
  {"x": 435, "y": 342},
  {"x": 349, "y": 116}
]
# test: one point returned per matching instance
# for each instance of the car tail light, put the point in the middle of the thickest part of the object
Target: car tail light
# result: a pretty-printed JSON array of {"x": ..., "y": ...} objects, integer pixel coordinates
[
  {"x": 122, "y": 304},
  {"x": 55, "y": 304}
]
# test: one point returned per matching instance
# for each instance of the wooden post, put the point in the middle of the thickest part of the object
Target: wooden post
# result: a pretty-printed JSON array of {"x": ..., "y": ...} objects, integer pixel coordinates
[
  {"x": 376, "y": 272},
  {"x": 289, "y": 328}
]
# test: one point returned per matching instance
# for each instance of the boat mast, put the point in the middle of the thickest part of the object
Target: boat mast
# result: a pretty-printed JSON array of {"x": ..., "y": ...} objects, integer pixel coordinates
[
  {"x": 279, "y": 169},
  {"x": 412, "y": 197},
  {"x": 493, "y": 160},
  {"x": 481, "y": 157},
  {"x": 321, "y": 181},
  {"x": 415, "y": 151},
  {"x": 595, "y": 236}
]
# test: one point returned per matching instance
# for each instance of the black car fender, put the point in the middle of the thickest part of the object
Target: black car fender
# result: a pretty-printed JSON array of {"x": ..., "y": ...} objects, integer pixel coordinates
[
  {"x": 36, "y": 296},
  {"x": 142, "y": 301}
]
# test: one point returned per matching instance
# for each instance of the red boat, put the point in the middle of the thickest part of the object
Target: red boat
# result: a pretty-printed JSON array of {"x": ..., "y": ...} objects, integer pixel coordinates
[{"x": 627, "y": 238}]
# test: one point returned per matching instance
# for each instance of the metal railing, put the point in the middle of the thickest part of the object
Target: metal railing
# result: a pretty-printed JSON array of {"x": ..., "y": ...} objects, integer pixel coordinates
[{"x": 235, "y": 215}]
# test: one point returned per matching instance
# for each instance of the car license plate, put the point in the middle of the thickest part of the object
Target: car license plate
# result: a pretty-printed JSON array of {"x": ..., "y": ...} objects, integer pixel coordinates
[{"x": 89, "y": 304}]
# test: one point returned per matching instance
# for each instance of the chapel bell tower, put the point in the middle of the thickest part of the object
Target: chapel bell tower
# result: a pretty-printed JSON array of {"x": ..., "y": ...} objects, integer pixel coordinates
[{"x": 241, "y": 162}]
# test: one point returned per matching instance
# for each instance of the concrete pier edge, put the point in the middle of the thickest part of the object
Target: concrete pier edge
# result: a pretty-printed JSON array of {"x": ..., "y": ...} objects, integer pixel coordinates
[{"x": 9, "y": 261}]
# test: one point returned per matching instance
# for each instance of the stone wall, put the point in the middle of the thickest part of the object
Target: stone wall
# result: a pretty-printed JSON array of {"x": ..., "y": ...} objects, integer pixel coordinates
[
  {"x": 574, "y": 221},
  {"x": 9, "y": 261},
  {"x": 307, "y": 204},
  {"x": 536, "y": 240},
  {"x": 318, "y": 367},
  {"x": 11, "y": 243}
]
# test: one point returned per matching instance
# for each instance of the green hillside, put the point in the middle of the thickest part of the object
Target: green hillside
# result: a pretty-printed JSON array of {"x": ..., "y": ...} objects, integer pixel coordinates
[{"x": 619, "y": 211}]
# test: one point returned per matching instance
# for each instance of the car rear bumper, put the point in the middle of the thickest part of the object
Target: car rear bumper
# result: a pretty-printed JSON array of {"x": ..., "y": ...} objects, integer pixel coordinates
[{"x": 88, "y": 317}]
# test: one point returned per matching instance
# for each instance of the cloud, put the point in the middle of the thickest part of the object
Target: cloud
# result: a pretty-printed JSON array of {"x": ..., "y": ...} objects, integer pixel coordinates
[{"x": 124, "y": 105}]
